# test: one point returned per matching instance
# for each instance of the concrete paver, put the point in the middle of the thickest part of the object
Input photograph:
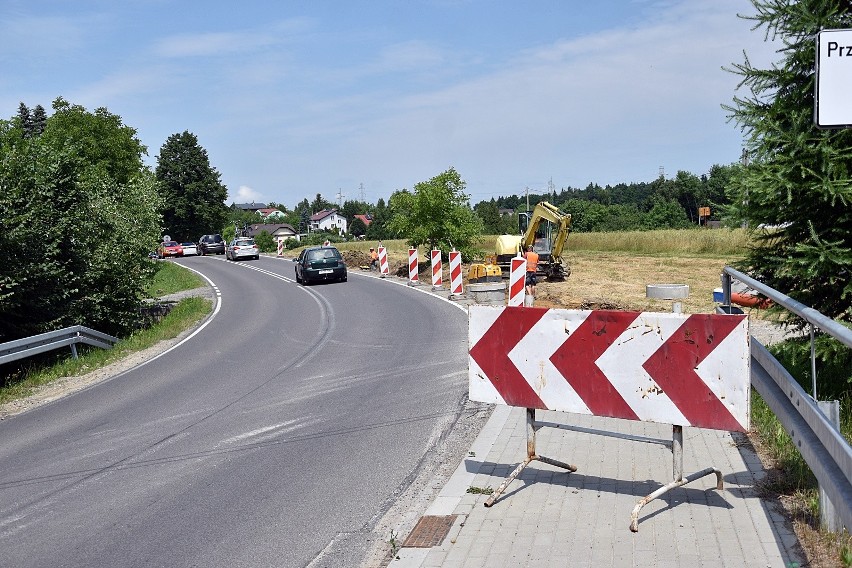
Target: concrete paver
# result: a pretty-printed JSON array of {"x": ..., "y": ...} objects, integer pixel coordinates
[{"x": 548, "y": 517}]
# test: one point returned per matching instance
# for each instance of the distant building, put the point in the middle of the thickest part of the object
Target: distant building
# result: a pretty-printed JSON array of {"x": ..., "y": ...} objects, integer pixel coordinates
[
  {"x": 505, "y": 211},
  {"x": 367, "y": 219},
  {"x": 280, "y": 230},
  {"x": 250, "y": 206},
  {"x": 271, "y": 213},
  {"x": 328, "y": 220}
]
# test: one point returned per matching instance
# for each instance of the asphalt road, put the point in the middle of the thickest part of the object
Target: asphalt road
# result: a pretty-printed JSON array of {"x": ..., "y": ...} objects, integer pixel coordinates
[{"x": 288, "y": 424}]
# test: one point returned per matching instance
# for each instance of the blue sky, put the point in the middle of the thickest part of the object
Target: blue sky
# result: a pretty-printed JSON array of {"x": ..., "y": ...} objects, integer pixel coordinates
[{"x": 357, "y": 99}]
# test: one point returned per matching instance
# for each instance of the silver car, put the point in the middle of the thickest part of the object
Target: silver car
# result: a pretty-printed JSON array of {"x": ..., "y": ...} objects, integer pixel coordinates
[{"x": 242, "y": 247}]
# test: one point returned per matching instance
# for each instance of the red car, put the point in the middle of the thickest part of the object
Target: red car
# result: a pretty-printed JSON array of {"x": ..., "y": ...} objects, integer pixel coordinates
[{"x": 169, "y": 249}]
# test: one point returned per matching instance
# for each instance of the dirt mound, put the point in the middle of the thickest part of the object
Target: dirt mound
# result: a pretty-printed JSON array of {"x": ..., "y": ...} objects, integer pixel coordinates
[{"x": 356, "y": 258}]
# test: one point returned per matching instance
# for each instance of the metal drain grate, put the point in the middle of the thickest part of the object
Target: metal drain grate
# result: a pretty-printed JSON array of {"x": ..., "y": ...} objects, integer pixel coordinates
[{"x": 431, "y": 530}]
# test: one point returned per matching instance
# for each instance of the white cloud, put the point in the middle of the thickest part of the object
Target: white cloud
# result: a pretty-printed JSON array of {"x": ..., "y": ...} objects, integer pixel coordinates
[{"x": 245, "y": 194}]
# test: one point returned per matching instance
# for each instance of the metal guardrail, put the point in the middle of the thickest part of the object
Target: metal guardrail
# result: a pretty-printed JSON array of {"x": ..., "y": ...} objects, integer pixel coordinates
[
  {"x": 66, "y": 337},
  {"x": 822, "y": 446}
]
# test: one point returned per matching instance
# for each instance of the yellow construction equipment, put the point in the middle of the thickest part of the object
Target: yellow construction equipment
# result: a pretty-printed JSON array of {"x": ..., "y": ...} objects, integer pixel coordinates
[
  {"x": 546, "y": 228},
  {"x": 488, "y": 272}
]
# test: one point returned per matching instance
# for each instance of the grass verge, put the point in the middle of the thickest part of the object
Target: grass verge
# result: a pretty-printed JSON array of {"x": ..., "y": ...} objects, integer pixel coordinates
[{"x": 171, "y": 277}]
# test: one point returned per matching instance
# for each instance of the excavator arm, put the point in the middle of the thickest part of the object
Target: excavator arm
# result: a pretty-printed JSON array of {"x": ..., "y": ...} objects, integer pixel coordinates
[{"x": 544, "y": 211}]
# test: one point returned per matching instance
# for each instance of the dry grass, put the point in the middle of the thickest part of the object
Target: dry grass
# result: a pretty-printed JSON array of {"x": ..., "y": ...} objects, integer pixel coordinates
[{"x": 619, "y": 279}]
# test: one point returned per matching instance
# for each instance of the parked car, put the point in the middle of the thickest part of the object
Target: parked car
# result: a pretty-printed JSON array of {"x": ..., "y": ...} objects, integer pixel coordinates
[
  {"x": 169, "y": 249},
  {"x": 318, "y": 264},
  {"x": 211, "y": 244},
  {"x": 242, "y": 247},
  {"x": 189, "y": 249}
]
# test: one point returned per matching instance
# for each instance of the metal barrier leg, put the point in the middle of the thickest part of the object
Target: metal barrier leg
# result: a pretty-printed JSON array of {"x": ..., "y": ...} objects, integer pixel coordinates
[
  {"x": 531, "y": 455},
  {"x": 679, "y": 480}
]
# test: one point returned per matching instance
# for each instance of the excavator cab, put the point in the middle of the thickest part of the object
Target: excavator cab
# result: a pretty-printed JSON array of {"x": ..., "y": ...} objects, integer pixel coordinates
[{"x": 543, "y": 240}]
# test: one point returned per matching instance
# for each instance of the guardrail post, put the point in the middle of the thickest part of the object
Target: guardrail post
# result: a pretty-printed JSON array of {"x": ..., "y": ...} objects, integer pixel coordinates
[
  {"x": 726, "y": 289},
  {"x": 829, "y": 516}
]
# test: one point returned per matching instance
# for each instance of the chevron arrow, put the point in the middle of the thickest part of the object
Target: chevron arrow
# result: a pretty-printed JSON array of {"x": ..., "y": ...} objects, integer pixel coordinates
[
  {"x": 673, "y": 368},
  {"x": 491, "y": 353},
  {"x": 576, "y": 361}
]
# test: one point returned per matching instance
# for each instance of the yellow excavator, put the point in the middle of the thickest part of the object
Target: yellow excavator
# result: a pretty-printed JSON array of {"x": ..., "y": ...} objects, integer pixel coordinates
[{"x": 546, "y": 229}]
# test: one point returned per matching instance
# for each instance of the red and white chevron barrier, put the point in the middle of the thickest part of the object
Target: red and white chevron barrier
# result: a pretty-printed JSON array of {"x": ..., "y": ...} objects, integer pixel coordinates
[
  {"x": 455, "y": 274},
  {"x": 437, "y": 270},
  {"x": 280, "y": 247},
  {"x": 687, "y": 370},
  {"x": 383, "y": 261},
  {"x": 412, "y": 267},
  {"x": 517, "y": 280}
]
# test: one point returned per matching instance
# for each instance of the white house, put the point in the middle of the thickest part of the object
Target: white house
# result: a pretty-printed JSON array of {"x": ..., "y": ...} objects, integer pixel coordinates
[
  {"x": 276, "y": 230},
  {"x": 327, "y": 220}
]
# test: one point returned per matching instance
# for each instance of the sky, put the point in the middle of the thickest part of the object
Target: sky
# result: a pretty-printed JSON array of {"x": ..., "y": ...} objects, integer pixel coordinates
[{"x": 357, "y": 99}]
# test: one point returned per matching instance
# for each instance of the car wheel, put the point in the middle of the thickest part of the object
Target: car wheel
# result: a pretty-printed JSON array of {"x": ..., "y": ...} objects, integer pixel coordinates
[{"x": 257, "y": 257}]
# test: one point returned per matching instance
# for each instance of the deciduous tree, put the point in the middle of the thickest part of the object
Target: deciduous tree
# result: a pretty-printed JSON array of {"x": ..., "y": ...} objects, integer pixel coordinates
[
  {"x": 79, "y": 213},
  {"x": 437, "y": 214}
]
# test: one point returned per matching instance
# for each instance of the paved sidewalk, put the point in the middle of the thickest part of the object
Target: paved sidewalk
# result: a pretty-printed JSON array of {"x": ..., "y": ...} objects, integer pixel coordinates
[{"x": 548, "y": 517}]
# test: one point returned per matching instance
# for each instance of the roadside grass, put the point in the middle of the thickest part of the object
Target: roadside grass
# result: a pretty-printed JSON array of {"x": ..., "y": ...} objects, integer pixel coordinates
[{"x": 170, "y": 278}]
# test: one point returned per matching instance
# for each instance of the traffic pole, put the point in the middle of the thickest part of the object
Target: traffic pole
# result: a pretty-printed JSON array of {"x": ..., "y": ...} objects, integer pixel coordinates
[
  {"x": 455, "y": 274},
  {"x": 383, "y": 261},
  {"x": 413, "y": 279},
  {"x": 437, "y": 270},
  {"x": 517, "y": 280}
]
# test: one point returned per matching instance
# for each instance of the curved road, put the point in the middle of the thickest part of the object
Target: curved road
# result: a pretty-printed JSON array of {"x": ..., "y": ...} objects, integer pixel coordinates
[{"x": 286, "y": 425}]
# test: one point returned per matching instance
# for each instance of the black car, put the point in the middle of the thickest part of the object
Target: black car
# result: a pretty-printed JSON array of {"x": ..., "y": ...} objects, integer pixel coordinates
[
  {"x": 211, "y": 244},
  {"x": 318, "y": 264}
]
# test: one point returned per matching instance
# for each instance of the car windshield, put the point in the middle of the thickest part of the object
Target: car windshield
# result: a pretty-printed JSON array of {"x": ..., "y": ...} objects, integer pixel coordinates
[
  {"x": 171, "y": 244},
  {"x": 244, "y": 242},
  {"x": 323, "y": 253},
  {"x": 188, "y": 244}
]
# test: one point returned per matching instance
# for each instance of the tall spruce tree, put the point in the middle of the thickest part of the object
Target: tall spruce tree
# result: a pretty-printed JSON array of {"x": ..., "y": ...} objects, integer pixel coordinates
[
  {"x": 25, "y": 120},
  {"x": 193, "y": 195},
  {"x": 795, "y": 192}
]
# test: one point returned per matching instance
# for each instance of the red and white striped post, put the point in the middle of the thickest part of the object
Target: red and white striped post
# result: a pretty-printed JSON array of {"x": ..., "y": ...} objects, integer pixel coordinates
[
  {"x": 455, "y": 273},
  {"x": 412, "y": 267},
  {"x": 280, "y": 246},
  {"x": 517, "y": 281},
  {"x": 383, "y": 261},
  {"x": 437, "y": 270}
]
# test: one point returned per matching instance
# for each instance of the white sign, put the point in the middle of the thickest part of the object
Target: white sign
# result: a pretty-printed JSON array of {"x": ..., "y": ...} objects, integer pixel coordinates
[{"x": 834, "y": 79}]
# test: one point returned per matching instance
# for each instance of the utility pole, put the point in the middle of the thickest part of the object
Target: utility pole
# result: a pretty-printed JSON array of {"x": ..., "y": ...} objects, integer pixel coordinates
[{"x": 339, "y": 198}]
